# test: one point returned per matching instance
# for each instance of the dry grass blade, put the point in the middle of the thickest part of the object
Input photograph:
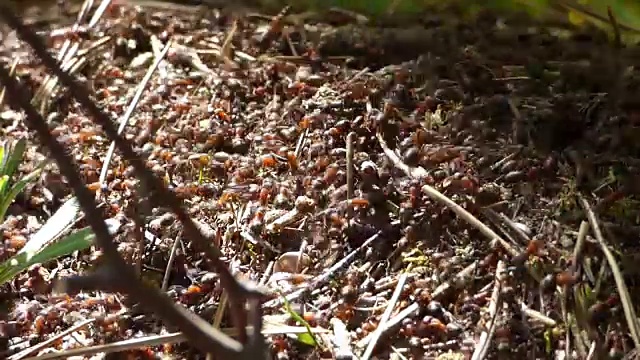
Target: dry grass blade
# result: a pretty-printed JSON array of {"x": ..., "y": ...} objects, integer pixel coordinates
[
  {"x": 226, "y": 47},
  {"x": 325, "y": 276},
  {"x": 411, "y": 310},
  {"x": 385, "y": 317},
  {"x": 69, "y": 53},
  {"x": 572, "y": 326},
  {"x": 483, "y": 346},
  {"x": 341, "y": 339},
  {"x": 418, "y": 172},
  {"x": 50, "y": 341},
  {"x": 156, "y": 340},
  {"x": 627, "y": 303},
  {"x": 131, "y": 108},
  {"x": 467, "y": 216}
]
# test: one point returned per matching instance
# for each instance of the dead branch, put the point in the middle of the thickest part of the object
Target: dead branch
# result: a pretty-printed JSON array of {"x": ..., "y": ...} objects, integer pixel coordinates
[{"x": 203, "y": 336}]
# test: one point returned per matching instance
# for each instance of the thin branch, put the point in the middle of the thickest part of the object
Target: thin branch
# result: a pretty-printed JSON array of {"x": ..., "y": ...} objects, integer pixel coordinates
[
  {"x": 172, "y": 257},
  {"x": 431, "y": 192},
  {"x": 124, "y": 120},
  {"x": 409, "y": 311},
  {"x": 627, "y": 304},
  {"x": 157, "y": 340},
  {"x": 199, "y": 332},
  {"x": 484, "y": 344},
  {"x": 325, "y": 276},
  {"x": 158, "y": 193},
  {"x": 385, "y": 317},
  {"x": 22, "y": 354}
]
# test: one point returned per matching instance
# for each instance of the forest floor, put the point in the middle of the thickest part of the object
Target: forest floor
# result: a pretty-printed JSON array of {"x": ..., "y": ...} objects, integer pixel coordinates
[{"x": 427, "y": 181}]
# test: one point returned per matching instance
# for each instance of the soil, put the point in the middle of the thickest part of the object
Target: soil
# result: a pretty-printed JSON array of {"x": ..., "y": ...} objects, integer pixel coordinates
[{"x": 298, "y": 138}]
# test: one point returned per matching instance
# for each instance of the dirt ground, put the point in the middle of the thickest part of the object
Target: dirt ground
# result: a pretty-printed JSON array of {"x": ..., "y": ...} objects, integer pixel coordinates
[{"x": 426, "y": 181}]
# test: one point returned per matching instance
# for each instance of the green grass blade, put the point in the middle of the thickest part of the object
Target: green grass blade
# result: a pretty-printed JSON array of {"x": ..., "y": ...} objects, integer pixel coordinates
[
  {"x": 7, "y": 199},
  {"x": 4, "y": 150},
  {"x": 306, "y": 338},
  {"x": 4, "y": 183},
  {"x": 79, "y": 240},
  {"x": 64, "y": 217},
  {"x": 14, "y": 157}
]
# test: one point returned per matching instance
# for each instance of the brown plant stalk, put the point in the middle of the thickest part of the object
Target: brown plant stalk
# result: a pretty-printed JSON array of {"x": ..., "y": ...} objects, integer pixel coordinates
[
  {"x": 158, "y": 193},
  {"x": 203, "y": 336}
]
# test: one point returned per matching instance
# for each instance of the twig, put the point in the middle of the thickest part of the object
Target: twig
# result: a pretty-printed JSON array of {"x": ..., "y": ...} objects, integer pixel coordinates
[
  {"x": 325, "y": 276},
  {"x": 412, "y": 172},
  {"x": 467, "y": 216},
  {"x": 418, "y": 172},
  {"x": 511, "y": 224},
  {"x": 184, "y": 54},
  {"x": 357, "y": 75},
  {"x": 579, "y": 340},
  {"x": 225, "y": 49},
  {"x": 267, "y": 273},
  {"x": 592, "y": 351},
  {"x": 616, "y": 59},
  {"x": 398, "y": 353},
  {"x": 159, "y": 195},
  {"x": 579, "y": 248},
  {"x": 351, "y": 138},
  {"x": 51, "y": 340},
  {"x": 627, "y": 304},
  {"x": 410, "y": 310},
  {"x": 172, "y": 257},
  {"x": 385, "y": 316},
  {"x": 485, "y": 338},
  {"x": 585, "y": 10},
  {"x": 163, "y": 5},
  {"x": 536, "y": 315},
  {"x": 500, "y": 162},
  {"x": 156, "y": 340},
  {"x": 300, "y": 143},
  {"x": 218, "y": 316},
  {"x": 564, "y": 294},
  {"x": 199, "y": 332},
  {"x": 214, "y": 49},
  {"x": 461, "y": 278},
  {"x": 505, "y": 225},
  {"x": 303, "y": 246},
  {"x": 124, "y": 120},
  {"x": 517, "y": 121}
]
